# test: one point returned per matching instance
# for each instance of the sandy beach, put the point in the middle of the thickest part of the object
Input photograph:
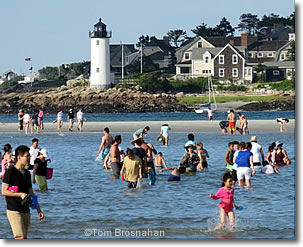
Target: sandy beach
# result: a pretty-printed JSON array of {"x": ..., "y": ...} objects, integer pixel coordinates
[{"x": 176, "y": 126}]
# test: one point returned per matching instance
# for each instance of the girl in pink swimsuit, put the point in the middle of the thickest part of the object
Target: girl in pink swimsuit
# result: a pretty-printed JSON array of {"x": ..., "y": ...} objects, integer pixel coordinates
[{"x": 226, "y": 193}]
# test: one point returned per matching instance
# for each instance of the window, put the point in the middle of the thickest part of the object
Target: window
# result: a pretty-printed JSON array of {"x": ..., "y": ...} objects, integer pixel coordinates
[
  {"x": 221, "y": 72},
  {"x": 206, "y": 59},
  {"x": 97, "y": 42},
  {"x": 97, "y": 69},
  {"x": 200, "y": 45},
  {"x": 186, "y": 55},
  {"x": 235, "y": 72},
  {"x": 184, "y": 70},
  {"x": 276, "y": 72},
  {"x": 206, "y": 71},
  {"x": 282, "y": 56},
  {"x": 250, "y": 55},
  {"x": 235, "y": 59},
  {"x": 270, "y": 54},
  {"x": 221, "y": 59},
  {"x": 259, "y": 54},
  {"x": 247, "y": 71}
]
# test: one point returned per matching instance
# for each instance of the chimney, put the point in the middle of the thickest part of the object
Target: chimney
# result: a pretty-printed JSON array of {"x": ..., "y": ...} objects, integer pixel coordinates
[
  {"x": 232, "y": 42},
  {"x": 244, "y": 39}
]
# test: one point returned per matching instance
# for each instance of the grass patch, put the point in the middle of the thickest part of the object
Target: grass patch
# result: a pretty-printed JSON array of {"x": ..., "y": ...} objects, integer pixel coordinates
[{"x": 192, "y": 100}]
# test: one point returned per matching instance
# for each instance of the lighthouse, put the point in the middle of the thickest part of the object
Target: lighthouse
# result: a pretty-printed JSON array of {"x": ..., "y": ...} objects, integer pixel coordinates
[{"x": 100, "y": 76}]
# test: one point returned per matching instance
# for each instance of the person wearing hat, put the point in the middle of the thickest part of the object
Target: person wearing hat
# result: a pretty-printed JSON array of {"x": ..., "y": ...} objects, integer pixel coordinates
[
  {"x": 141, "y": 132},
  {"x": 279, "y": 156},
  {"x": 39, "y": 172},
  {"x": 257, "y": 151},
  {"x": 164, "y": 132},
  {"x": 20, "y": 119},
  {"x": 71, "y": 119}
]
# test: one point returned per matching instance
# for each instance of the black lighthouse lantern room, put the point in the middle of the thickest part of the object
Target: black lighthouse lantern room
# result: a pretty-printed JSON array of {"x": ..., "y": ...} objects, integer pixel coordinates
[{"x": 100, "y": 31}]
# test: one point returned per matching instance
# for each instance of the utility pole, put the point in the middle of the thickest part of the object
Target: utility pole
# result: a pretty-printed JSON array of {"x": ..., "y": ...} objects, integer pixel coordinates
[
  {"x": 141, "y": 58},
  {"x": 122, "y": 61}
]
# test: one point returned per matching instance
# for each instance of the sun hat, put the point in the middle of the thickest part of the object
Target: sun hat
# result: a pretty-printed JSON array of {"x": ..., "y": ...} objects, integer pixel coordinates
[
  {"x": 20, "y": 110},
  {"x": 279, "y": 143},
  {"x": 44, "y": 152},
  {"x": 253, "y": 139},
  {"x": 70, "y": 109}
]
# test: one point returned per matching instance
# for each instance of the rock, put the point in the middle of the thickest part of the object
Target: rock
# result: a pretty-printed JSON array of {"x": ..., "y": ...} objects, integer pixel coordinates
[{"x": 179, "y": 95}]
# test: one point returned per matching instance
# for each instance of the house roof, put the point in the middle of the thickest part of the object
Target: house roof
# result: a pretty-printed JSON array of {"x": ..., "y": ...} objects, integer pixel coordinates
[
  {"x": 221, "y": 41},
  {"x": 281, "y": 49},
  {"x": 116, "y": 53},
  {"x": 267, "y": 45},
  {"x": 281, "y": 64},
  {"x": 197, "y": 53},
  {"x": 164, "y": 46},
  {"x": 280, "y": 34},
  {"x": 233, "y": 48}
]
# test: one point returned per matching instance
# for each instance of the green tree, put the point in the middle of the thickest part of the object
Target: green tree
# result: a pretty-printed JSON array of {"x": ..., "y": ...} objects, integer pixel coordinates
[
  {"x": 291, "y": 55},
  {"x": 224, "y": 28},
  {"x": 176, "y": 37},
  {"x": 203, "y": 30},
  {"x": 248, "y": 23},
  {"x": 260, "y": 72},
  {"x": 143, "y": 40}
]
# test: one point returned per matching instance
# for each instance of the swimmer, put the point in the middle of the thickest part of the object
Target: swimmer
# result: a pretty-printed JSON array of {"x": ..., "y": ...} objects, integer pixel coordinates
[
  {"x": 223, "y": 125},
  {"x": 232, "y": 119},
  {"x": 228, "y": 158},
  {"x": 175, "y": 175},
  {"x": 226, "y": 193},
  {"x": 203, "y": 154},
  {"x": 159, "y": 161},
  {"x": 105, "y": 145}
]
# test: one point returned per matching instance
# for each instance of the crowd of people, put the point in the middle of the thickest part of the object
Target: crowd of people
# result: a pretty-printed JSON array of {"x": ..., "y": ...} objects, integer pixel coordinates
[
  {"x": 34, "y": 122},
  {"x": 16, "y": 169},
  {"x": 243, "y": 160}
]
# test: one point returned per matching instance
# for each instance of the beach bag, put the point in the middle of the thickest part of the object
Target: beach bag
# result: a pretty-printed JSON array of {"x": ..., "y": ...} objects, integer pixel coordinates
[
  {"x": 49, "y": 173},
  {"x": 139, "y": 184}
]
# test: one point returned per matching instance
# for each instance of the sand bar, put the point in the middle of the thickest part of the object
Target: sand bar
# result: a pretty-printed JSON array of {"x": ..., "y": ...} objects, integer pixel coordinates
[{"x": 176, "y": 126}]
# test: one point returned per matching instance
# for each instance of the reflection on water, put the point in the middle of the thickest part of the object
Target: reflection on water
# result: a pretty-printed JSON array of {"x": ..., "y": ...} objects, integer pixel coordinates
[{"x": 81, "y": 196}]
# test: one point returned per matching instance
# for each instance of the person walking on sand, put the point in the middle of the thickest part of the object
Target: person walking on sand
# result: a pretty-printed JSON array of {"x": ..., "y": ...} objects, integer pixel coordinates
[
  {"x": 164, "y": 132},
  {"x": 59, "y": 120},
  {"x": 210, "y": 114},
  {"x": 105, "y": 145},
  {"x": 80, "y": 119},
  {"x": 226, "y": 194},
  {"x": 20, "y": 119},
  {"x": 18, "y": 214},
  {"x": 40, "y": 115},
  {"x": 282, "y": 122},
  {"x": 26, "y": 121},
  {"x": 231, "y": 118},
  {"x": 71, "y": 119}
]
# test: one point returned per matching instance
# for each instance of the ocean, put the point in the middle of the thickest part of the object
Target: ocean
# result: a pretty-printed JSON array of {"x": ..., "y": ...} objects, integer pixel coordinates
[
  {"x": 163, "y": 116},
  {"x": 84, "y": 203}
]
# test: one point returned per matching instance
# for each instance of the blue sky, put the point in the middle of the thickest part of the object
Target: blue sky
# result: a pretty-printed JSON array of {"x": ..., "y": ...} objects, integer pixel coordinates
[{"x": 56, "y": 31}]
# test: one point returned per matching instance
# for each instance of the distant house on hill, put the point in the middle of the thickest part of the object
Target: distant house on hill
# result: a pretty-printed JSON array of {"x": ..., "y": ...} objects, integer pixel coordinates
[
  {"x": 227, "y": 58},
  {"x": 7, "y": 75}
]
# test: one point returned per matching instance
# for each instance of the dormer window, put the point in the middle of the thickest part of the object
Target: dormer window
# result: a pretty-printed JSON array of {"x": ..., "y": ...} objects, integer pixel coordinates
[
  {"x": 206, "y": 59},
  {"x": 282, "y": 56},
  {"x": 259, "y": 54},
  {"x": 200, "y": 44},
  {"x": 186, "y": 55}
]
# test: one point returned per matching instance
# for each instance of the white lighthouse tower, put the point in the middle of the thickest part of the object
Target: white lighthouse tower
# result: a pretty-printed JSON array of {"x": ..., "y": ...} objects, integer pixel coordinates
[{"x": 100, "y": 57}]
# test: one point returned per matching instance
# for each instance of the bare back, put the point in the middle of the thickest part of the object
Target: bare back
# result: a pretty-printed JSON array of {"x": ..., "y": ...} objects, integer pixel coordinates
[
  {"x": 115, "y": 153},
  {"x": 107, "y": 140}
]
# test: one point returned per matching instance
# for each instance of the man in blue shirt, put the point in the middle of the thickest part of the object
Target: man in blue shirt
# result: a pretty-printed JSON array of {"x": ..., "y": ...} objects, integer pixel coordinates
[{"x": 164, "y": 132}]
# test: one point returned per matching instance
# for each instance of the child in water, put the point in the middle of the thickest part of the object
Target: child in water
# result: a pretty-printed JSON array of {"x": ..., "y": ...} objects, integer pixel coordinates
[{"x": 226, "y": 193}]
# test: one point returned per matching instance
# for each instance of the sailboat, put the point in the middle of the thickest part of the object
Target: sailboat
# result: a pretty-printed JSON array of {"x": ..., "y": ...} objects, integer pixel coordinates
[{"x": 202, "y": 108}]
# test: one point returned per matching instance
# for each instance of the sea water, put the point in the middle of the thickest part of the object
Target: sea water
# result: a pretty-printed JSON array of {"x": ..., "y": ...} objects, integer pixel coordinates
[
  {"x": 157, "y": 116},
  {"x": 84, "y": 203}
]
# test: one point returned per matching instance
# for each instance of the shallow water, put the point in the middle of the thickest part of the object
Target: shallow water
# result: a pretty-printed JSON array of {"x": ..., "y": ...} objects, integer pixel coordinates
[
  {"x": 156, "y": 116},
  {"x": 83, "y": 203}
]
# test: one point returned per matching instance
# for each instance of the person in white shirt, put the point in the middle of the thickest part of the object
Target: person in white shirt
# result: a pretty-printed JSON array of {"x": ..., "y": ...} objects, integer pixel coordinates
[
  {"x": 210, "y": 114},
  {"x": 26, "y": 121},
  {"x": 33, "y": 151},
  {"x": 80, "y": 119},
  {"x": 258, "y": 154}
]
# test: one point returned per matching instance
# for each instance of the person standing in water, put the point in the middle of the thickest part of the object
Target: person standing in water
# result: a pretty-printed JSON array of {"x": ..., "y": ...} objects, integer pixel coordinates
[
  {"x": 116, "y": 158},
  {"x": 164, "y": 132},
  {"x": 203, "y": 154},
  {"x": 105, "y": 145},
  {"x": 226, "y": 193}
]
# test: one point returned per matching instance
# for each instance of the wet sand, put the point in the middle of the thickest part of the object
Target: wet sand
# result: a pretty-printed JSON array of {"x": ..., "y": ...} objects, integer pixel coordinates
[{"x": 176, "y": 126}]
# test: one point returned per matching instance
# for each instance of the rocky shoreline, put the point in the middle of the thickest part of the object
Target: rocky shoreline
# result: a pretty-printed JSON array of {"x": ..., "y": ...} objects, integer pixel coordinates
[{"x": 112, "y": 101}]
